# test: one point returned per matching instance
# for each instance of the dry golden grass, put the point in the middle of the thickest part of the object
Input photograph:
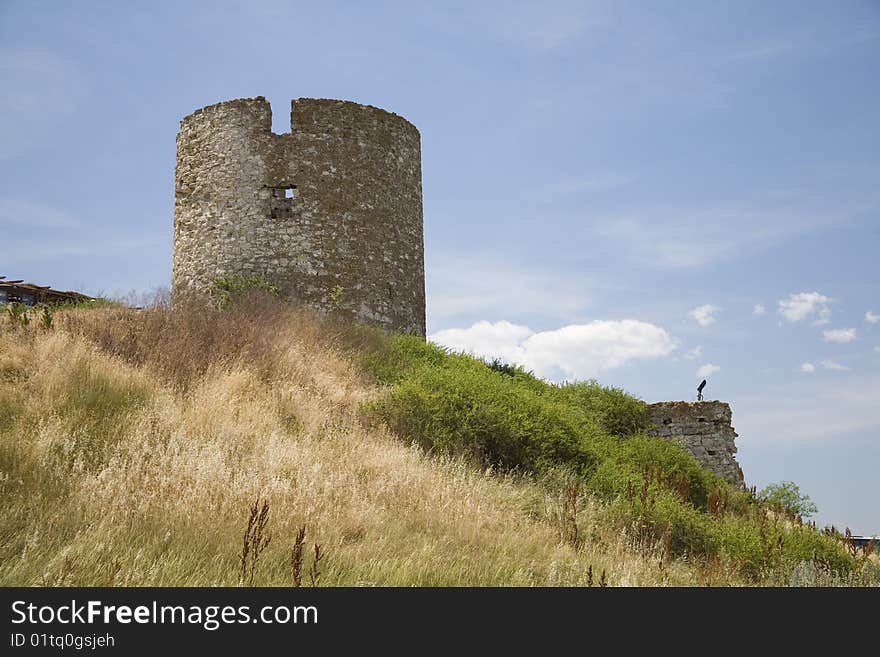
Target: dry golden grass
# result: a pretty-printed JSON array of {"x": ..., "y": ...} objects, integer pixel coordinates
[{"x": 134, "y": 444}]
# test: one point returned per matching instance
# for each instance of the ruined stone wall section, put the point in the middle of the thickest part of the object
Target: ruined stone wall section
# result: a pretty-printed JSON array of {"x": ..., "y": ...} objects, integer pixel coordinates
[
  {"x": 354, "y": 222},
  {"x": 704, "y": 429}
]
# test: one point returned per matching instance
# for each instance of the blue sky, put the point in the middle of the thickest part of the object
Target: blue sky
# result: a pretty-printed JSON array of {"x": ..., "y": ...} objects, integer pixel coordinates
[{"x": 610, "y": 189}]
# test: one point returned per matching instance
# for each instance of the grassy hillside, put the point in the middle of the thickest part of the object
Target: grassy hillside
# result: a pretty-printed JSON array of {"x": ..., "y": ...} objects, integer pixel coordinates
[{"x": 195, "y": 447}]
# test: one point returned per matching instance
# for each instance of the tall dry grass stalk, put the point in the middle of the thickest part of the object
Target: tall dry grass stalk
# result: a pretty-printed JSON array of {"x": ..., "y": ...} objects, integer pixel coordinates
[
  {"x": 256, "y": 540},
  {"x": 132, "y": 443},
  {"x": 296, "y": 556}
]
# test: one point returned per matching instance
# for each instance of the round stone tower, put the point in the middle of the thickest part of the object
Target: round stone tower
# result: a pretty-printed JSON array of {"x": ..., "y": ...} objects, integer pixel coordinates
[{"x": 331, "y": 212}]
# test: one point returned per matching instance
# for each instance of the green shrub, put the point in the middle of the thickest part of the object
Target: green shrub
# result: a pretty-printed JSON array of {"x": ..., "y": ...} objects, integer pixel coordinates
[
  {"x": 633, "y": 461},
  {"x": 617, "y": 413},
  {"x": 688, "y": 531},
  {"x": 465, "y": 408},
  {"x": 46, "y": 320},
  {"x": 18, "y": 314},
  {"x": 787, "y": 497},
  {"x": 393, "y": 358},
  {"x": 226, "y": 290},
  {"x": 498, "y": 365}
]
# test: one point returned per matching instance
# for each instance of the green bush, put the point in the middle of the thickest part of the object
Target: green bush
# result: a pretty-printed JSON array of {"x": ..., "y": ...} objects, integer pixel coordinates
[
  {"x": 464, "y": 408},
  {"x": 226, "y": 290},
  {"x": 393, "y": 358},
  {"x": 18, "y": 314},
  {"x": 633, "y": 461},
  {"x": 689, "y": 531},
  {"x": 618, "y": 413}
]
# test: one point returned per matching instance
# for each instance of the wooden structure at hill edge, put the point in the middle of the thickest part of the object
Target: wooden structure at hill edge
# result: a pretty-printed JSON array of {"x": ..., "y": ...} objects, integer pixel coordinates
[{"x": 30, "y": 294}]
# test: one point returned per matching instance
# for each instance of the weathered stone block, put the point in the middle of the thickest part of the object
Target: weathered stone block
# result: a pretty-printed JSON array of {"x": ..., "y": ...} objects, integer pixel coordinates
[{"x": 704, "y": 429}]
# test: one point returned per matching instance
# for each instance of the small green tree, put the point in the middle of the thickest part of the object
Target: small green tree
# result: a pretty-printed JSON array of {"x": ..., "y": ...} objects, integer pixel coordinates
[
  {"x": 46, "y": 319},
  {"x": 787, "y": 495}
]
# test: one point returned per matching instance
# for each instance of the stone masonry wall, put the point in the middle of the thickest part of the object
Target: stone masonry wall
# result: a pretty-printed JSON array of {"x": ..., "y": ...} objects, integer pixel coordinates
[
  {"x": 336, "y": 204},
  {"x": 704, "y": 429}
]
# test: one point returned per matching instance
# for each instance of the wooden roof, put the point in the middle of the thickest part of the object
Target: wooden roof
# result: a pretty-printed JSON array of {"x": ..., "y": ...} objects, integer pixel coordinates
[{"x": 42, "y": 293}]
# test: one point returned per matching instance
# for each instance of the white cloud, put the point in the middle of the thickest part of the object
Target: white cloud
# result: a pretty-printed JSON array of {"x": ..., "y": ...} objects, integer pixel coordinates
[
  {"x": 805, "y": 304},
  {"x": 485, "y": 339},
  {"x": 704, "y": 315},
  {"x": 676, "y": 237},
  {"x": 577, "y": 351},
  {"x": 871, "y": 317},
  {"x": 808, "y": 368},
  {"x": 707, "y": 370},
  {"x": 840, "y": 336},
  {"x": 877, "y": 349},
  {"x": 759, "y": 309},
  {"x": 693, "y": 354},
  {"x": 834, "y": 365}
]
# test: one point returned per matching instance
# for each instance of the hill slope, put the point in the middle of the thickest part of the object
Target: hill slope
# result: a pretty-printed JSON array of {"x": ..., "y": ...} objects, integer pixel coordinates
[{"x": 135, "y": 445}]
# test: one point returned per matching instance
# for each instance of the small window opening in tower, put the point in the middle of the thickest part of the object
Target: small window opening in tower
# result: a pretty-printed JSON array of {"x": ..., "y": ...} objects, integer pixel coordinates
[{"x": 281, "y": 201}]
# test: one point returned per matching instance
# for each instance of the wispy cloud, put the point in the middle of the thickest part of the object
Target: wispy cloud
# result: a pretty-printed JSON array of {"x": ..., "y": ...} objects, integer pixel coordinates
[
  {"x": 462, "y": 287},
  {"x": 693, "y": 354},
  {"x": 779, "y": 414},
  {"x": 21, "y": 254},
  {"x": 598, "y": 182},
  {"x": 689, "y": 237},
  {"x": 807, "y": 368},
  {"x": 36, "y": 233},
  {"x": 804, "y": 41},
  {"x": 839, "y": 336},
  {"x": 833, "y": 365},
  {"x": 759, "y": 309},
  {"x": 546, "y": 27},
  {"x": 578, "y": 351},
  {"x": 704, "y": 315},
  {"x": 872, "y": 317},
  {"x": 23, "y": 213}
]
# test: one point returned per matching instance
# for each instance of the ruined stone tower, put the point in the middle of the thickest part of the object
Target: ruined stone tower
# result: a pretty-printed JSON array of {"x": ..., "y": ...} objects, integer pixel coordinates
[
  {"x": 330, "y": 212},
  {"x": 704, "y": 430}
]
